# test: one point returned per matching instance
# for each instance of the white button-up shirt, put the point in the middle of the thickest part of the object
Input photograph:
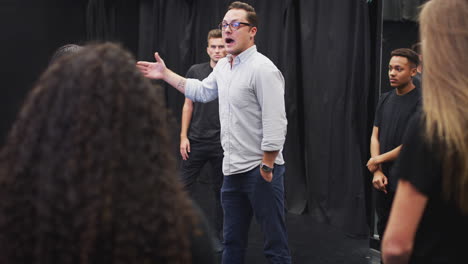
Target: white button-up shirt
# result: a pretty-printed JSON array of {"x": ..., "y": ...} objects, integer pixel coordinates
[{"x": 251, "y": 108}]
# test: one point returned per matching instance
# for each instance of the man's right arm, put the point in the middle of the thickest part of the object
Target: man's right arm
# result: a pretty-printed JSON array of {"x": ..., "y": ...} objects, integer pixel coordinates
[{"x": 201, "y": 91}]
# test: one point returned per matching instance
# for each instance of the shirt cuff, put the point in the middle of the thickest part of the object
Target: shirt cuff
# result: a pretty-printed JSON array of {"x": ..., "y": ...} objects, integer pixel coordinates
[
  {"x": 189, "y": 89},
  {"x": 272, "y": 145}
]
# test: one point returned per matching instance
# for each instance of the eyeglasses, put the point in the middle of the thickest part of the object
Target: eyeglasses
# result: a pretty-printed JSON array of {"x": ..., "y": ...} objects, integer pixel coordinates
[{"x": 233, "y": 25}]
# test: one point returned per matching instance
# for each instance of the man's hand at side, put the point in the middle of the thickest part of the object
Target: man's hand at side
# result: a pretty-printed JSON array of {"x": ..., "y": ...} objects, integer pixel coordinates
[{"x": 184, "y": 148}]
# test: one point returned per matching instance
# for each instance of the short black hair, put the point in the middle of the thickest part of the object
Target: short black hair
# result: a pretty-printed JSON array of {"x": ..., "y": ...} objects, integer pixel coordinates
[{"x": 412, "y": 56}]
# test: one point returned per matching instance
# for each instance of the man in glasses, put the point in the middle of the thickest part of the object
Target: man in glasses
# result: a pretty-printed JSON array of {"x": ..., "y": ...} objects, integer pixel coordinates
[
  {"x": 199, "y": 136},
  {"x": 250, "y": 90}
]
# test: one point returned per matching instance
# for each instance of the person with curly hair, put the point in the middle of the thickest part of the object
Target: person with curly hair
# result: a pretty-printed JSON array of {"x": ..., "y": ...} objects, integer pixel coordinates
[{"x": 86, "y": 174}]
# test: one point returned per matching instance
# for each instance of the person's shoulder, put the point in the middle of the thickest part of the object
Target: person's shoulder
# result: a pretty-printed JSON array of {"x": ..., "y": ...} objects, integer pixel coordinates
[
  {"x": 199, "y": 66},
  {"x": 262, "y": 63},
  {"x": 261, "y": 58},
  {"x": 222, "y": 61},
  {"x": 418, "y": 91},
  {"x": 386, "y": 95},
  {"x": 198, "y": 70},
  {"x": 418, "y": 96},
  {"x": 415, "y": 124}
]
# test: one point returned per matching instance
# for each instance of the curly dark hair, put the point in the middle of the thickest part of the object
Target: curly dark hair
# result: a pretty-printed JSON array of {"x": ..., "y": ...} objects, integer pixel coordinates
[{"x": 86, "y": 174}]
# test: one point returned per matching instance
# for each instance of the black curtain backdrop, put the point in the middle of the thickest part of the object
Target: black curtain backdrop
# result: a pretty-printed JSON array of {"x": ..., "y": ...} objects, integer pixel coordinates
[
  {"x": 325, "y": 49},
  {"x": 326, "y": 53},
  {"x": 31, "y": 30},
  {"x": 401, "y": 10},
  {"x": 113, "y": 20},
  {"x": 335, "y": 51}
]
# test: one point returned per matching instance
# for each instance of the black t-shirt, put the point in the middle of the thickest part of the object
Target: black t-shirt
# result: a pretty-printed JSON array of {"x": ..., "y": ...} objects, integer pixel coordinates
[
  {"x": 417, "y": 80},
  {"x": 204, "y": 126},
  {"x": 392, "y": 116},
  {"x": 442, "y": 224}
]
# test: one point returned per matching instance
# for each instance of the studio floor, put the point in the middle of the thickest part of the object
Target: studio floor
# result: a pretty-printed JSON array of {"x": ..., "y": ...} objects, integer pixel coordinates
[{"x": 309, "y": 241}]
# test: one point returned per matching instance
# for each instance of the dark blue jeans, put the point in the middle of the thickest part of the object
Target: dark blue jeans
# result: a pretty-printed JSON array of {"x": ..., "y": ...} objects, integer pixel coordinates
[{"x": 244, "y": 195}]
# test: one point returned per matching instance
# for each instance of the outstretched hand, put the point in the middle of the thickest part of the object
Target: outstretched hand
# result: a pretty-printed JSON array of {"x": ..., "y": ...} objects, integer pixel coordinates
[{"x": 152, "y": 70}]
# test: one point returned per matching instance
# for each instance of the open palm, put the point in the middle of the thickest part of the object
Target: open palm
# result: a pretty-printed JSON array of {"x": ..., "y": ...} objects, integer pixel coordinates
[{"x": 152, "y": 70}]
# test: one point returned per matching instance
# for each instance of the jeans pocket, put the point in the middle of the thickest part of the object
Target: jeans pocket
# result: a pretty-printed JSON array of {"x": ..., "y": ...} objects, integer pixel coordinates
[{"x": 261, "y": 177}]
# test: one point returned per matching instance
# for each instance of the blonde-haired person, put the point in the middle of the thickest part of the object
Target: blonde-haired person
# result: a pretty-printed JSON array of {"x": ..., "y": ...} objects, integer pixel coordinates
[{"x": 430, "y": 210}]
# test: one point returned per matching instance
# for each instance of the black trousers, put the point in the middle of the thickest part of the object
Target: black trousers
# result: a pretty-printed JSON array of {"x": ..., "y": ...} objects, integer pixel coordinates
[
  {"x": 200, "y": 154},
  {"x": 383, "y": 204}
]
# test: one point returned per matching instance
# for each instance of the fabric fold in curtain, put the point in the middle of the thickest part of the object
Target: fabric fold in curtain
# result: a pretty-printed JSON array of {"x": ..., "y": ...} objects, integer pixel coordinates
[
  {"x": 100, "y": 20},
  {"x": 335, "y": 40},
  {"x": 113, "y": 20}
]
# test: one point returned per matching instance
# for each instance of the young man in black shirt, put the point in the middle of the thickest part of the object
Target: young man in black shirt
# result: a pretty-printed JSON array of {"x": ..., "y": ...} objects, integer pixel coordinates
[
  {"x": 393, "y": 113},
  {"x": 199, "y": 137}
]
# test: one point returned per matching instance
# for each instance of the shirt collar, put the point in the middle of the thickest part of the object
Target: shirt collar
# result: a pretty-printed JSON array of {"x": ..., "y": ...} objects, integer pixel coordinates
[{"x": 244, "y": 55}]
